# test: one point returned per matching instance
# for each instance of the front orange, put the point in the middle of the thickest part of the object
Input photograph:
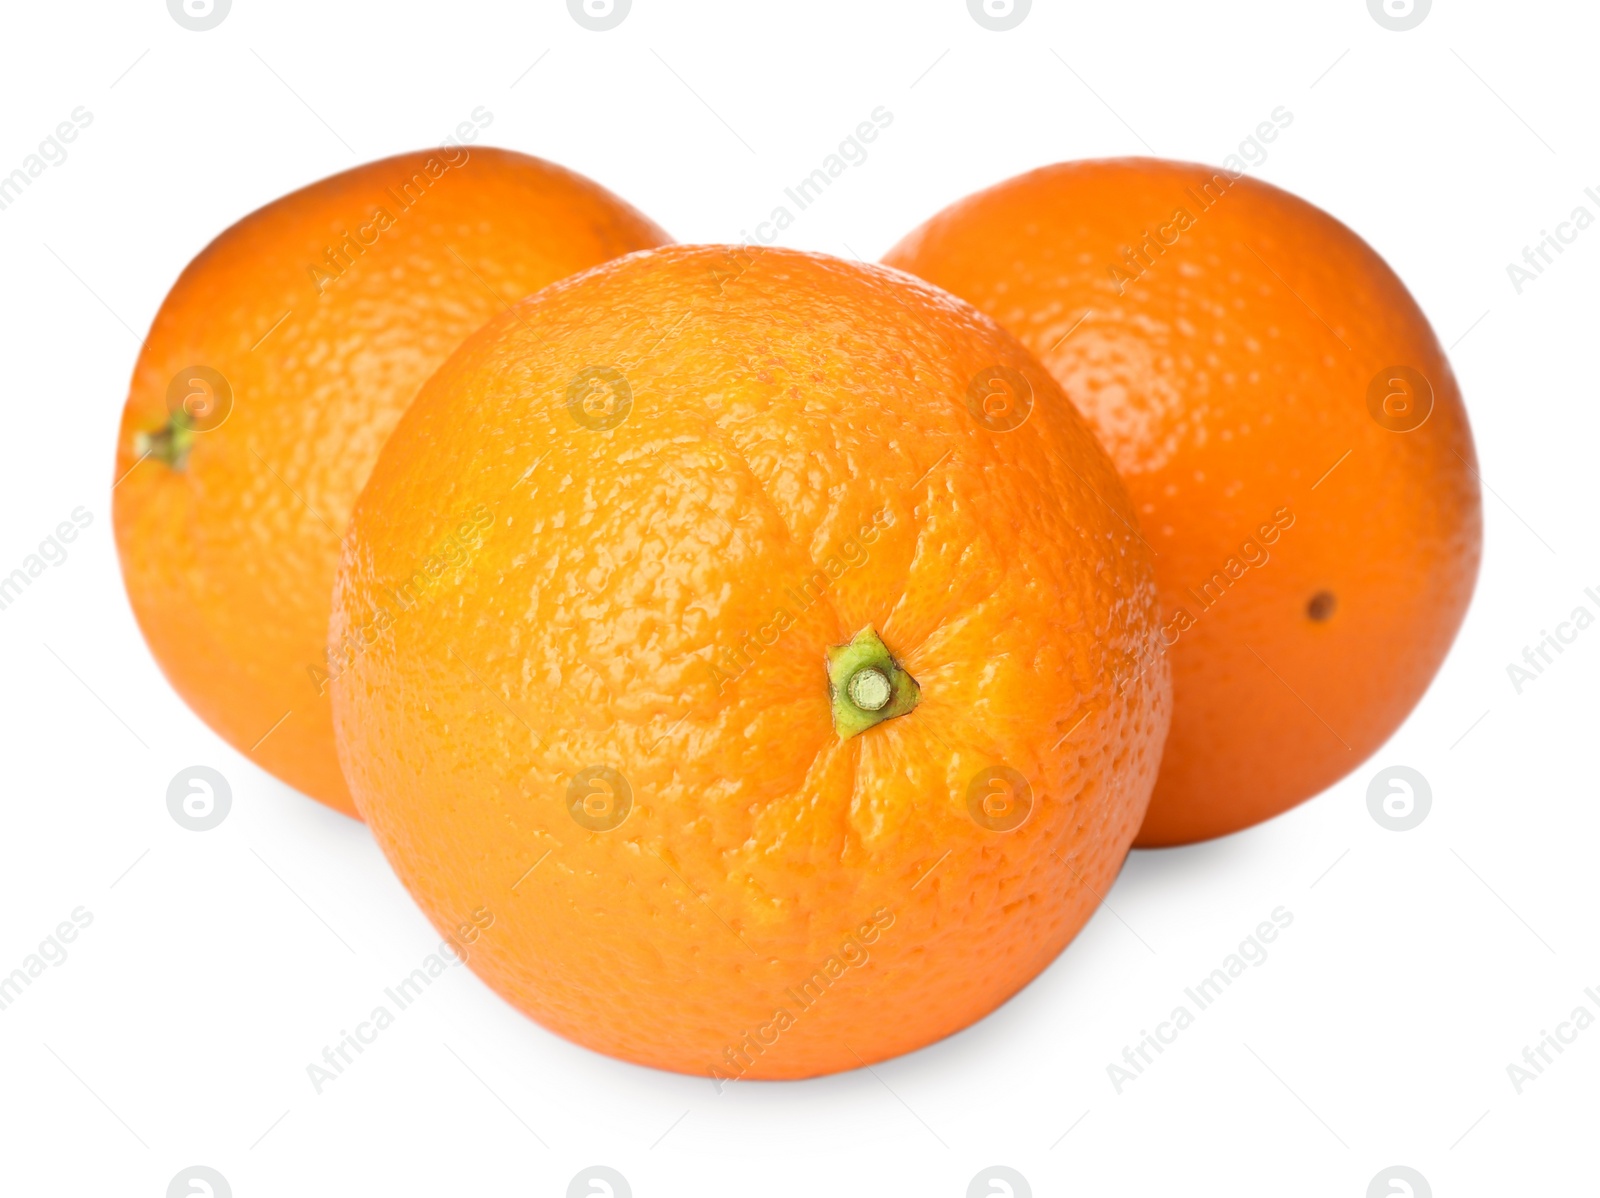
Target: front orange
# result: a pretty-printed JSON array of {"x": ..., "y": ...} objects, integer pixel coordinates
[
  {"x": 1291, "y": 434},
  {"x": 272, "y": 374},
  {"x": 582, "y": 628}
]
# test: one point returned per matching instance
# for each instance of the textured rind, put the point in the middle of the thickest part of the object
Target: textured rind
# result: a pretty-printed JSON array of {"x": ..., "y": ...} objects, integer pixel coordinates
[
  {"x": 781, "y": 402},
  {"x": 1226, "y": 379},
  {"x": 229, "y": 562}
]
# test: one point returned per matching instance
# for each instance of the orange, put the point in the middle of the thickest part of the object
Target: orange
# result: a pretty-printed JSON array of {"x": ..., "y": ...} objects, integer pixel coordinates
[
  {"x": 273, "y": 372},
  {"x": 785, "y": 706},
  {"x": 1292, "y": 437}
]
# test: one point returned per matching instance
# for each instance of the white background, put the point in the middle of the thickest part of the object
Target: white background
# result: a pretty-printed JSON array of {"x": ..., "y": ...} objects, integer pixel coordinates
[{"x": 218, "y": 965}]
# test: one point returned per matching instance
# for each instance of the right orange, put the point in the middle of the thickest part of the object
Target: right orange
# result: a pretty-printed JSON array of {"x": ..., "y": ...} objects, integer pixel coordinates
[{"x": 1292, "y": 437}]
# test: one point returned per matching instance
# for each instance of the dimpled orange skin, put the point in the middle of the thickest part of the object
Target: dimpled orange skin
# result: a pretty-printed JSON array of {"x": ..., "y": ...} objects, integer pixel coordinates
[
  {"x": 621, "y": 609},
  {"x": 229, "y": 560},
  {"x": 1227, "y": 374}
]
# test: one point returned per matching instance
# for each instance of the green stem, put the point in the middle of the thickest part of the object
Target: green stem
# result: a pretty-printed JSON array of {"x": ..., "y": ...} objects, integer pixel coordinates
[
  {"x": 169, "y": 444},
  {"x": 866, "y": 684}
]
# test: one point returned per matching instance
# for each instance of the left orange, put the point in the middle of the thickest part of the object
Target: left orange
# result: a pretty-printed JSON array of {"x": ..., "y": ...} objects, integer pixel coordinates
[{"x": 272, "y": 376}]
